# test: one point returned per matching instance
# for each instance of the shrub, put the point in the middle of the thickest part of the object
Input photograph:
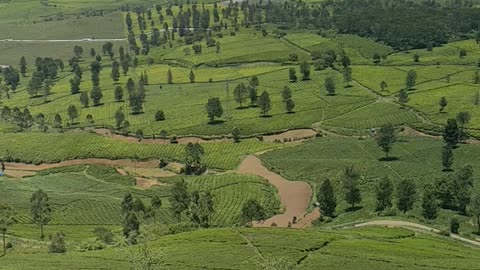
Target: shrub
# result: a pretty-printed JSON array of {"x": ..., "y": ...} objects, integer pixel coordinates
[
  {"x": 58, "y": 244},
  {"x": 454, "y": 225},
  {"x": 103, "y": 234},
  {"x": 159, "y": 115}
]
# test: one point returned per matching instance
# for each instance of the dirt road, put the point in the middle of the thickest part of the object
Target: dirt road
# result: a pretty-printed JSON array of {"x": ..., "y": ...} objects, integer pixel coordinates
[{"x": 294, "y": 195}]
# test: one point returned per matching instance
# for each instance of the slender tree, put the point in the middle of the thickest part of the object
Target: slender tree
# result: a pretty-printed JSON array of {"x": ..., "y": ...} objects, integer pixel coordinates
[
  {"x": 96, "y": 95},
  {"x": 406, "y": 192},
  {"x": 84, "y": 99},
  {"x": 386, "y": 137},
  {"x": 214, "y": 109},
  {"x": 7, "y": 219},
  {"x": 40, "y": 209},
  {"x": 447, "y": 157},
  {"x": 326, "y": 199},
  {"x": 179, "y": 199},
  {"x": 264, "y": 103},
  {"x": 384, "y": 192},
  {"x": 429, "y": 202}
]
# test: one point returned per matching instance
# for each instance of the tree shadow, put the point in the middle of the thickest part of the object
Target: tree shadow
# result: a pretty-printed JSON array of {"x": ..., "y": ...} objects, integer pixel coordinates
[
  {"x": 290, "y": 112},
  {"x": 353, "y": 209},
  {"x": 447, "y": 170},
  {"x": 242, "y": 108},
  {"x": 388, "y": 159},
  {"x": 265, "y": 116},
  {"x": 347, "y": 86},
  {"x": 216, "y": 122}
]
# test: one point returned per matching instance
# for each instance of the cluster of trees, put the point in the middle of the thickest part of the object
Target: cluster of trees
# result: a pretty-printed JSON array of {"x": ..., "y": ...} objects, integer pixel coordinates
[
  {"x": 453, "y": 191},
  {"x": 134, "y": 211},
  {"x": 197, "y": 205}
]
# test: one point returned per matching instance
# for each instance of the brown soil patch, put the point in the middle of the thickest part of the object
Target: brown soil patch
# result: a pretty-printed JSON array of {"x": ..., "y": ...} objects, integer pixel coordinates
[
  {"x": 149, "y": 172},
  {"x": 291, "y": 135},
  {"x": 19, "y": 173},
  {"x": 294, "y": 195},
  {"x": 146, "y": 183},
  {"x": 410, "y": 132},
  {"x": 88, "y": 161},
  {"x": 122, "y": 172}
]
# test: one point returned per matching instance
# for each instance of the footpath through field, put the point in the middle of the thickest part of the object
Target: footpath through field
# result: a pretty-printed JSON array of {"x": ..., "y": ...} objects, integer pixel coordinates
[
  {"x": 411, "y": 225},
  {"x": 294, "y": 195}
]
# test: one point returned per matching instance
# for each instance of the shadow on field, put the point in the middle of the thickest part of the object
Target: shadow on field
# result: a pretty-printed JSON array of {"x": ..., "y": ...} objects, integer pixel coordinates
[
  {"x": 389, "y": 159},
  {"x": 216, "y": 122}
]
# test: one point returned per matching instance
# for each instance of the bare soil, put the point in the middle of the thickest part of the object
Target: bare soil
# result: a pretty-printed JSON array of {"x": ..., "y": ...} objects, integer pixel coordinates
[{"x": 294, "y": 196}]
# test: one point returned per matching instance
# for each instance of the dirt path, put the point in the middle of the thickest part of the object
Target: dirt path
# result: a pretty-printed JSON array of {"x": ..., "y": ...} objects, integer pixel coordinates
[
  {"x": 411, "y": 225},
  {"x": 294, "y": 195},
  {"x": 117, "y": 163},
  {"x": 287, "y": 136}
]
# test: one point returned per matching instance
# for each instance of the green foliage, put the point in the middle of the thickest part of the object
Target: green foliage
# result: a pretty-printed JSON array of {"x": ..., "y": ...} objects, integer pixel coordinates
[
  {"x": 327, "y": 199},
  {"x": 252, "y": 210},
  {"x": 406, "y": 195},
  {"x": 386, "y": 137},
  {"x": 58, "y": 244}
]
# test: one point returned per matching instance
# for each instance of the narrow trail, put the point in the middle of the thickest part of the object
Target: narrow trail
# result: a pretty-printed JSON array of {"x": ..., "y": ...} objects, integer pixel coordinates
[
  {"x": 294, "y": 196},
  {"x": 415, "y": 226}
]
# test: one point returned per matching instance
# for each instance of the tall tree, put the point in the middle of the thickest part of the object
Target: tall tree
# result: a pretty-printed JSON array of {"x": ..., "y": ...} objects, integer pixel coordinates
[
  {"x": 286, "y": 93},
  {"x": 386, "y": 137},
  {"x": 96, "y": 95},
  {"x": 406, "y": 192},
  {"x": 131, "y": 226},
  {"x": 305, "y": 70},
  {"x": 75, "y": 85},
  {"x": 475, "y": 210},
  {"x": 384, "y": 191},
  {"x": 72, "y": 113},
  {"x": 429, "y": 202},
  {"x": 7, "y": 219},
  {"x": 214, "y": 109},
  {"x": 84, "y": 99},
  {"x": 347, "y": 76},
  {"x": 292, "y": 74},
  {"x": 442, "y": 103},
  {"x": 240, "y": 93},
  {"x": 23, "y": 66},
  {"x": 447, "y": 157},
  {"x": 403, "y": 97},
  {"x": 179, "y": 199},
  {"x": 264, "y": 103},
  {"x": 451, "y": 132},
  {"x": 326, "y": 198},
  {"x": 40, "y": 209},
  {"x": 289, "y": 105},
  {"x": 192, "y": 76},
  {"x": 119, "y": 118},
  {"x": 330, "y": 86},
  {"x": 118, "y": 93},
  {"x": 115, "y": 75},
  {"x": 350, "y": 183},
  {"x": 463, "y": 118},
  {"x": 78, "y": 50},
  {"x": 169, "y": 76},
  {"x": 411, "y": 79}
]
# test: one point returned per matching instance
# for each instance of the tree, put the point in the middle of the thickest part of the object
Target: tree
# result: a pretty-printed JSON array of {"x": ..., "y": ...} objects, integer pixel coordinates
[
  {"x": 447, "y": 157},
  {"x": 292, "y": 74},
  {"x": 84, "y": 99},
  {"x": 252, "y": 210},
  {"x": 78, "y": 50},
  {"x": 476, "y": 99},
  {"x": 35, "y": 83},
  {"x": 192, "y": 76},
  {"x": 454, "y": 225},
  {"x": 416, "y": 58},
  {"x": 386, "y": 137},
  {"x": 155, "y": 204},
  {"x": 75, "y": 85},
  {"x": 305, "y": 70},
  {"x": 169, "y": 76},
  {"x": 476, "y": 77},
  {"x": 179, "y": 199},
  {"x": 347, "y": 75},
  {"x": 214, "y": 109},
  {"x": 201, "y": 208},
  {"x": 93, "y": 53},
  {"x": 475, "y": 210},
  {"x": 264, "y": 103},
  {"x": 119, "y": 118},
  {"x": 411, "y": 79},
  {"x": 193, "y": 153},
  {"x": 23, "y": 66},
  {"x": 350, "y": 184},
  {"x": 240, "y": 93},
  {"x": 125, "y": 66},
  {"x": 96, "y": 95},
  {"x": 115, "y": 75},
  {"x": 7, "y": 219},
  {"x": 442, "y": 103},
  {"x": 47, "y": 86},
  {"x": 429, "y": 202},
  {"x": 159, "y": 115},
  {"x": 40, "y": 209},
  {"x": 406, "y": 192},
  {"x": 463, "y": 118},
  {"x": 383, "y": 85},
  {"x": 236, "y": 134},
  {"x": 72, "y": 113},
  {"x": 403, "y": 97},
  {"x": 451, "y": 132},
  {"x": 289, "y": 105},
  {"x": 138, "y": 206},
  {"x": 330, "y": 86},
  {"x": 286, "y": 93},
  {"x": 384, "y": 191},
  {"x": 326, "y": 199},
  {"x": 118, "y": 93},
  {"x": 131, "y": 226},
  {"x": 127, "y": 203},
  {"x": 57, "y": 121},
  {"x": 252, "y": 93}
]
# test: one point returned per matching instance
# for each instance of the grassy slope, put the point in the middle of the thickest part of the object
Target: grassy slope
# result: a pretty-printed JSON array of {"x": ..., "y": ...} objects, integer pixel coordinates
[
  {"x": 368, "y": 248},
  {"x": 418, "y": 159}
]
